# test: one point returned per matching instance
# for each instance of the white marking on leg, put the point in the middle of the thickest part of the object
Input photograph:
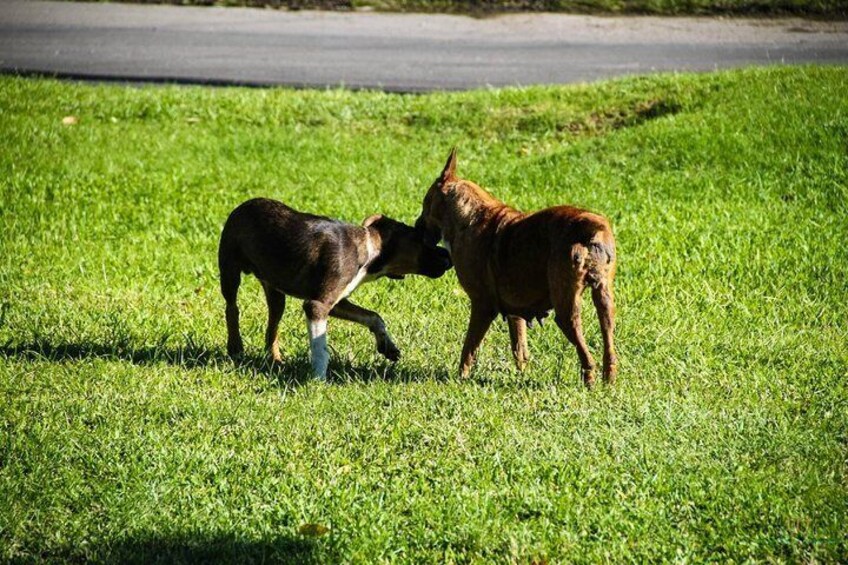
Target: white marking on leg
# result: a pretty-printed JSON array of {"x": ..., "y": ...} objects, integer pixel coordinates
[{"x": 318, "y": 347}]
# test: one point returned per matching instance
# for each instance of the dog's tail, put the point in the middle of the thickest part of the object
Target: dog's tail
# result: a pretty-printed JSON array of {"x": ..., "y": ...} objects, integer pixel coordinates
[{"x": 579, "y": 254}]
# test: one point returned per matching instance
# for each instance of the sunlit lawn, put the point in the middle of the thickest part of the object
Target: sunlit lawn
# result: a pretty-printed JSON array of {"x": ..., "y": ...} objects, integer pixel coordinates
[{"x": 126, "y": 434}]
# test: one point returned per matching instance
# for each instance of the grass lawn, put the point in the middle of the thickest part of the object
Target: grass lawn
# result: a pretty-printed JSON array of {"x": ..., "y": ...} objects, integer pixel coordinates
[{"x": 126, "y": 434}]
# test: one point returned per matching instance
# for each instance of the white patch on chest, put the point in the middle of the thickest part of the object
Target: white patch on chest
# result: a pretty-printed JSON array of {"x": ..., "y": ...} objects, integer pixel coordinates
[{"x": 362, "y": 274}]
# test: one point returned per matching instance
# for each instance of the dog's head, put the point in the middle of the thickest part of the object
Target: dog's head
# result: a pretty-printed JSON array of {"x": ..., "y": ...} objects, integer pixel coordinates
[
  {"x": 432, "y": 214},
  {"x": 406, "y": 251}
]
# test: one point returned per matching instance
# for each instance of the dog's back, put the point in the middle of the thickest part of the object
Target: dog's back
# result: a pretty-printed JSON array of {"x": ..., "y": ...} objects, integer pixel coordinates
[{"x": 551, "y": 245}]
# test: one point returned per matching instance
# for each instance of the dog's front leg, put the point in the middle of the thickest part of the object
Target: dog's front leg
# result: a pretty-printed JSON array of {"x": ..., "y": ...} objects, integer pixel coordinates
[
  {"x": 316, "y": 321},
  {"x": 347, "y": 310},
  {"x": 478, "y": 325}
]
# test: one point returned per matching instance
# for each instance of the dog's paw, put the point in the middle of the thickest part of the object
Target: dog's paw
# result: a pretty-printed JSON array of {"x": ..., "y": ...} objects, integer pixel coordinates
[
  {"x": 522, "y": 358},
  {"x": 610, "y": 373},
  {"x": 588, "y": 378},
  {"x": 389, "y": 350}
]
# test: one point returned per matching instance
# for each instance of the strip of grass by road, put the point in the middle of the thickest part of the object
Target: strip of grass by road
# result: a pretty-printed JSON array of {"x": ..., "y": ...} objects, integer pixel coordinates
[
  {"x": 126, "y": 435},
  {"x": 492, "y": 7}
]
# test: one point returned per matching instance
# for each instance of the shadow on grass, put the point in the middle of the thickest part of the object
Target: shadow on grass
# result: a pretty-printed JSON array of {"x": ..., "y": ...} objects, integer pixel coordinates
[
  {"x": 198, "y": 549},
  {"x": 293, "y": 371}
]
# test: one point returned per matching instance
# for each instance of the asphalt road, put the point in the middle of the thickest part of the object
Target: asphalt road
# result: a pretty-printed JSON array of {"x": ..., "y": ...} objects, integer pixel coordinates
[{"x": 400, "y": 52}]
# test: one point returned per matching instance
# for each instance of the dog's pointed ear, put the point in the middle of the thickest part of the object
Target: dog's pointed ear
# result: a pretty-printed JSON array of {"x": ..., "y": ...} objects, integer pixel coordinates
[
  {"x": 449, "y": 172},
  {"x": 372, "y": 219}
]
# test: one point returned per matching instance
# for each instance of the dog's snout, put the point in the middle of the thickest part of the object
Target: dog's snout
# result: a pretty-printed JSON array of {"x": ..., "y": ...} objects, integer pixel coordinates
[
  {"x": 436, "y": 262},
  {"x": 445, "y": 257}
]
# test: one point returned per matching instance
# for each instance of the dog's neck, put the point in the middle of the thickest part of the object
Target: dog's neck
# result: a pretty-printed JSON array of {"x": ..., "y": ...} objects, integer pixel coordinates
[
  {"x": 373, "y": 245},
  {"x": 372, "y": 256},
  {"x": 469, "y": 205},
  {"x": 377, "y": 255}
]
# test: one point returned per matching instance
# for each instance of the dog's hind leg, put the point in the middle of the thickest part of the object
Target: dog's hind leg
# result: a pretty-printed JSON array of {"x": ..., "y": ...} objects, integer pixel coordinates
[
  {"x": 566, "y": 284},
  {"x": 602, "y": 296},
  {"x": 346, "y": 310},
  {"x": 518, "y": 340},
  {"x": 478, "y": 325},
  {"x": 276, "y": 306},
  {"x": 316, "y": 321},
  {"x": 568, "y": 319},
  {"x": 230, "y": 280}
]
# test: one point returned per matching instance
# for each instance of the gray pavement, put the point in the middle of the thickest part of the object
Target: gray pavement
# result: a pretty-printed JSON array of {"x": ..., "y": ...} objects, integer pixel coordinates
[{"x": 399, "y": 52}]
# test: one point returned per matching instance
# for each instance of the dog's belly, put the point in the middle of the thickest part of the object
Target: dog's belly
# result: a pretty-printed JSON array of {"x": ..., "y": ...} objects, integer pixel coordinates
[
  {"x": 528, "y": 314},
  {"x": 533, "y": 310},
  {"x": 287, "y": 288},
  {"x": 523, "y": 290}
]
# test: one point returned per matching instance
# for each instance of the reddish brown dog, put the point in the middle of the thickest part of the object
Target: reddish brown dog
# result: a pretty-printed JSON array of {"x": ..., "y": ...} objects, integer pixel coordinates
[{"x": 523, "y": 265}]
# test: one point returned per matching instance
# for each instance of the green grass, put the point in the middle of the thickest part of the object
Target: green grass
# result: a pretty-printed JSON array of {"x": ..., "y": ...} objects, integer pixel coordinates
[
  {"x": 126, "y": 434},
  {"x": 492, "y": 7}
]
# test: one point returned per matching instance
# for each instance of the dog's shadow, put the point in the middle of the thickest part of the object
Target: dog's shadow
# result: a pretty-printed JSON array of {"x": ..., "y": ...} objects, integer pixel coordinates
[
  {"x": 292, "y": 371},
  {"x": 141, "y": 548}
]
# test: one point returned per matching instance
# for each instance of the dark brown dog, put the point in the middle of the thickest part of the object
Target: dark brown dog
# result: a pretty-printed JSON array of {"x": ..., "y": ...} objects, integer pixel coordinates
[
  {"x": 523, "y": 265},
  {"x": 321, "y": 261}
]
